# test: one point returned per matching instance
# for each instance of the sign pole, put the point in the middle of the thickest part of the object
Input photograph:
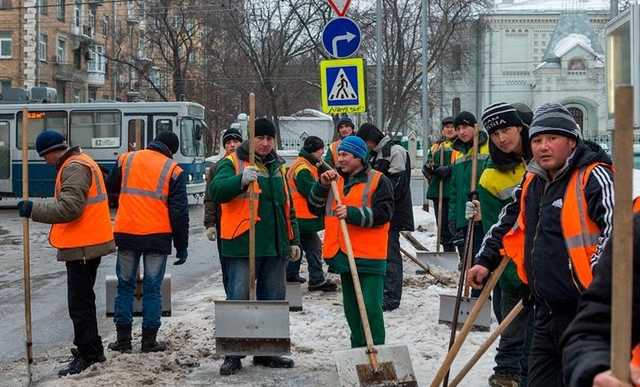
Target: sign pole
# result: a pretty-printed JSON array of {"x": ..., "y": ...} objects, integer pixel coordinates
[
  {"x": 379, "y": 95},
  {"x": 426, "y": 130}
]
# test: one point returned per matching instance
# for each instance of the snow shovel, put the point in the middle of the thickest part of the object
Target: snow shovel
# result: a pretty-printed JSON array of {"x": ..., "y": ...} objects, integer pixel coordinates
[
  {"x": 26, "y": 251},
  {"x": 622, "y": 252},
  {"x": 383, "y": 365},
  {"x": 251, "y": 327},
  {"x": 447, "y": 260}
]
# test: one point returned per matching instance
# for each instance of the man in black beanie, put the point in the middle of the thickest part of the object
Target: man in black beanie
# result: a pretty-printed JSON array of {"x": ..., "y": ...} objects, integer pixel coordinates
[
  {"x": 345, "y": 127},
  {"x": 392, "y": 160},
  {"x": 301, "y": 176}
]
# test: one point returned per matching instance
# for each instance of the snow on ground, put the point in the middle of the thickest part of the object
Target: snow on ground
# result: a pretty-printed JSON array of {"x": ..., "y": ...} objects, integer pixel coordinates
[{"x": 316, "y": 332}]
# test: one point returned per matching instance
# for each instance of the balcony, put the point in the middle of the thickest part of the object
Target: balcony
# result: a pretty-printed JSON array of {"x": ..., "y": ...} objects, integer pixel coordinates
[
  {"x": 95, "y": 78},
  {"x": 83, "y": 35},
  {"x": 67, "y": 72}
]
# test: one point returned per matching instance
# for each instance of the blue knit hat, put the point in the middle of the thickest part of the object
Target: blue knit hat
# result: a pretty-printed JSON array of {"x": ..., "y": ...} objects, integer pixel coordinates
[
  {"x": 354, "y": 145},
  {"x": 48, "y": 141}
]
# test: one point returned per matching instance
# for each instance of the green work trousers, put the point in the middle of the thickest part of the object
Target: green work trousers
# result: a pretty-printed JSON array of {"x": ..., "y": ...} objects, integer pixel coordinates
[{"x": 372, "y": 291}]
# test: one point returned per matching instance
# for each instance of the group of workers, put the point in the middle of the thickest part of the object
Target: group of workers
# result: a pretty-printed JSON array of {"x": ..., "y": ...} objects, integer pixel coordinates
[{"x": 544, "y": 198}]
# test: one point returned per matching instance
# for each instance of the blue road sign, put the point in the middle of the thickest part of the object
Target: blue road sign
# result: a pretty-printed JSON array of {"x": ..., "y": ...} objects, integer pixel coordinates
[{"x": 341, "y": 37}]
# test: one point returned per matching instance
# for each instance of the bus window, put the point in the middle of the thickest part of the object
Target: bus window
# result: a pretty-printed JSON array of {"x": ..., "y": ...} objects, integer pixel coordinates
[
  {"x": 190, "y": 138},
  {"x": 5, "y": 158},
  {"x": 38, "y": 121},
  {"x": 163, "y": 125},
  {"x": 95, "y": 129},
  {"x": 132, "y": 133}
]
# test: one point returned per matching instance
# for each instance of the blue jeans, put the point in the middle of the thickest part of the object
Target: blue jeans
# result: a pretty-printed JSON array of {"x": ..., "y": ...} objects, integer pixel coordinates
[
  {"x": 311, "y": 244},
  {"x": 270, "y": 278},
  {"x": 513, "y": 348},
  {"x": 126, "y": 269}
]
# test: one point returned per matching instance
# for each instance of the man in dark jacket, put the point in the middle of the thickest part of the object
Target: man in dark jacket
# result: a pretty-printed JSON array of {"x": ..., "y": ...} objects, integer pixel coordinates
[
  {"x": 563, "y": 212},
  {"x": 231, "y": 139},
  {"x": 152, "y": 211},
  {"x": 587, "y": 341},
  {"x": 393, "y": 161},
  {"x": 81, "y": 231}
]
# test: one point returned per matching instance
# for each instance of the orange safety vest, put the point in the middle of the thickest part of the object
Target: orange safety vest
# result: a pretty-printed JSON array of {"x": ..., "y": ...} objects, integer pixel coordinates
[
  {"x": 636, "y": 205},
  {"x": 367, "y": 242},
  {"x": 93, "y": 227},
  {"x": 234, "y": 219},
  {"x": 143, "y": 207},
  {"x": 334, "y": 151},
  {"x": 299, "y": 201},
  {"x": 581, "y": 233}
]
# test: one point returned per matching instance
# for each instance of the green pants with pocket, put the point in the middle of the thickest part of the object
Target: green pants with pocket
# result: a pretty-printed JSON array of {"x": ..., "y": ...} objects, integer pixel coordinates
[{"x": 372, "y": 291}]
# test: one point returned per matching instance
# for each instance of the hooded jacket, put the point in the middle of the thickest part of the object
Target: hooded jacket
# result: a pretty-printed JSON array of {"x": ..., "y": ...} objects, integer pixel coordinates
[{"x": 546, "y": 256}]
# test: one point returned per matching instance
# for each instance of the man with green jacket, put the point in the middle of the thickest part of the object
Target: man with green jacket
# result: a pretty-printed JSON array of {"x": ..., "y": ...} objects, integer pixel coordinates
[{"x": 276, "y": 227}]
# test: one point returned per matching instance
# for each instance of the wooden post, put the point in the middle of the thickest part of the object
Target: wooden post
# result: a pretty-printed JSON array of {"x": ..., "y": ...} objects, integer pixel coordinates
[
  {"x": 622, "y": 253},
  {"x": 26, "y": 254},
  {"x": 252, "y": 199},
  {"x": 440, "y": 200}
]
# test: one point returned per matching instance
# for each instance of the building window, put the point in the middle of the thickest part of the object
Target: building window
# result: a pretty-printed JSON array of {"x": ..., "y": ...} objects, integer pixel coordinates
[
  {"x": 5, "y": 4},
  {"x": 61, "y": 51},
  {"x": 76, "y": 14},
  {"x": 5, "y": 45},
  {"x": 578, "y": 115},
  {"x": 60, "y": 9},
  {"x": 455, "y": 106},
  {"x": 105, "y": 25},
  {"x": 97, "y": 62},
  {"x": 43, "y": 7},
  {"x": 456, "y": 58},
  {"x": 576, "y": 65},
  {"x": 42, "y": 47},
  {"x": 5, "y": 84}
]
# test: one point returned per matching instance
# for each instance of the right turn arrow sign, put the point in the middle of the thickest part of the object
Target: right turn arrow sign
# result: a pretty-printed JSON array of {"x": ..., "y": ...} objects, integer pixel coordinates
[{"x": 340, "y": 7}]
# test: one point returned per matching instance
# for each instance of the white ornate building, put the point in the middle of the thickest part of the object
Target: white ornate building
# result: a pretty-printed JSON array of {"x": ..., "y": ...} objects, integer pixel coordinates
[{"x": 532, "y": 52}]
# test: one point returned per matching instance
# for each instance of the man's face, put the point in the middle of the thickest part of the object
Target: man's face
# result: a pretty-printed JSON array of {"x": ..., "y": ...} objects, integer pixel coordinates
[
  {"x": 231, "y": 145},
  {"x": 348, "y": 163},
  {"x": 551, "y": 151},
  {"x": 345, "y": 130},
  {"x": 264, "y": 145},
  {"x": 449, "y": 132},
  {"x": 508, "y": 140},
  {"x": 52, "y": 158},
  {"x": 465, "y": 132}
]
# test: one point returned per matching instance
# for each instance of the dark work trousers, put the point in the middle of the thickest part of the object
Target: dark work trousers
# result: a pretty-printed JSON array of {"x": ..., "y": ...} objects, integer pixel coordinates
[
  {"x": 223, "y": 263},
  {"x": 81, "y": 276},
  {"x": 393, "y": 276},
  {"x": 445, "y": 234},
  {"x": 478, "y": 235},
  {"x": 545, "y": 355}
]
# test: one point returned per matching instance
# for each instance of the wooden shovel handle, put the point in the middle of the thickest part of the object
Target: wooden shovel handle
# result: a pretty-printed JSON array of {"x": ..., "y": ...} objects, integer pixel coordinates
[
  {"x": 440, "y": 201},
  {"x": 468, "y": 324},
  {"x": 252, "y": 199},
  {"x": 371, "y": 350}
]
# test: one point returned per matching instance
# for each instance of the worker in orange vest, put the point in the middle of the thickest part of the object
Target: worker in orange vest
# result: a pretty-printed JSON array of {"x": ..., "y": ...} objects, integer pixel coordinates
[
  {"x": 301, "y": 176},
  {"x": 367, "y": 208},
  {"x": 587, "y": 341},
  {"x": 81, "y": 231},
  {"x": 152, "y": 212},
  {"x": 554, "y": 231},
  {"x": 345, "y": 127}
]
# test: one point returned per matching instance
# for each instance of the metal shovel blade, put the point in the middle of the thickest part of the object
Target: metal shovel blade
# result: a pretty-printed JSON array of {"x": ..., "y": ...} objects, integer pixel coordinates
[
  {"x": 252, "y": 328},
  {"x": 394, "y": 367},
  {"x": 445, "y": 260},
  {"x": 447, "y": 306}
]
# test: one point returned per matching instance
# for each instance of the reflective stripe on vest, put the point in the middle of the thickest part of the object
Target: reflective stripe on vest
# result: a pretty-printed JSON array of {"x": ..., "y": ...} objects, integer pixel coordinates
[
  {"x": 93, "y": 227},
  {"x": 581, "y": 234},
  {"x": 234, "y": 220},
  {"x": 299, "y": 201},
  {"x": 367, "y": 242},
  {"x": 334, "y": 151},
  {"x": 635, "y": 356},
  {"x": 143, "y": 207}
]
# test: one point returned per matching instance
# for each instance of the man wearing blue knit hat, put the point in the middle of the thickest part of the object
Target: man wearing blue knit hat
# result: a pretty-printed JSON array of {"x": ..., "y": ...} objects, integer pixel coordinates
[{"x": 367, "y": 208}]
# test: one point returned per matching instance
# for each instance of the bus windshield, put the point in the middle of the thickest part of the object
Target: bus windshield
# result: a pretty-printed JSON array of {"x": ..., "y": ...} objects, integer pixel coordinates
[{"x": 191, "y": 137}]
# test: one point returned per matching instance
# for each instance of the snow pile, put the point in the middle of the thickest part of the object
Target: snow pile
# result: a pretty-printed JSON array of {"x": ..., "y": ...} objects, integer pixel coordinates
[{"x": 570, "y": 41}]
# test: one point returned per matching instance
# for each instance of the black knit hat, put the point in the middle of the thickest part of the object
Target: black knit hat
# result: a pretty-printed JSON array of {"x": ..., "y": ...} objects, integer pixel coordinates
[
  {"x": 554, "y": 118},
  {"x": 465, "y": 118},
  {"x": 499, "y": 116},
  {"x": 169, "y": 139},
  {"x": 265, "y": 127},
  {"x": 369, "y": 132},
  {"x": 231, "y": 134},
  {"x": 446, "y": 121},
  {"x": 524, "y": 112},
  {"x": 48, "y": 141},
  {"x": 312, "y": 144},
  {"x": 346, "y": 121}
]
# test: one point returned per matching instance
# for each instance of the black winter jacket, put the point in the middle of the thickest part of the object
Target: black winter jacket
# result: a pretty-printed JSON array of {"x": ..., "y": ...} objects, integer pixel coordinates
[
  {"x": 587, "y": 340},
  {"x": 178, "y": 214},
  {"x": 546, "y": 257},
  {"x": 393, "y": 160}
]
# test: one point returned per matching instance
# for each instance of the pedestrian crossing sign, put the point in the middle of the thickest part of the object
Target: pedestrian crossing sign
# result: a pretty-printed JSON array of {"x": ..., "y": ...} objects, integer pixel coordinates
[{"x": 343, "y": 86}]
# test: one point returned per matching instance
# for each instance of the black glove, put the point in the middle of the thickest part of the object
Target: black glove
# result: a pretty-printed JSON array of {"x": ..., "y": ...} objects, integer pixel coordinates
[
  {"x": 443, "y": 171},
  {"x": 427, "y": 171},
  {"x": 526, "y": 296},
  {"x": 24, "y": 208},
  {"x": 182, "y": 257}
]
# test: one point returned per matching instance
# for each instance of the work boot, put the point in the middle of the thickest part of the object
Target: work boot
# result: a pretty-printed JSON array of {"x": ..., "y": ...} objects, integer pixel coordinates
[
  {"x": 504, "y": 380},
  {"x": 296, "y": 278},
  {"x": 388, "y": 306},
  {"x": 123, "y": 341},
  {"x": 80, "y": 363},
  {"x": 273, "y": 361},
  {"x": 149, "y": 343},
  {"x": 326, "y": 286},
  {"x": 230, "y": 366}
]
